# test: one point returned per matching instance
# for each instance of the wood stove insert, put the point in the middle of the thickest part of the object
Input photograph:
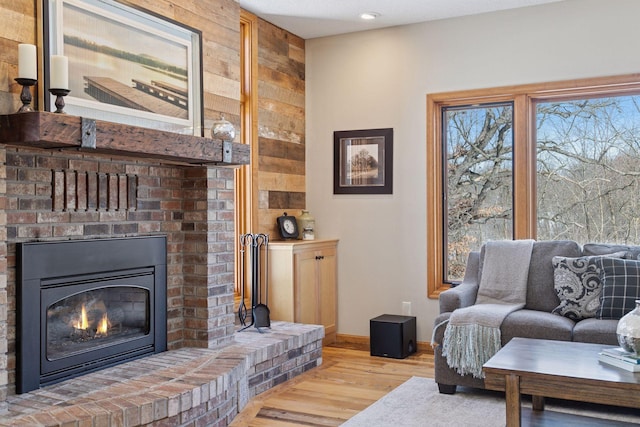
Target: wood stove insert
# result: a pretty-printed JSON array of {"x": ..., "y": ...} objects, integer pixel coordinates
[{"x": 87, "y": 304}]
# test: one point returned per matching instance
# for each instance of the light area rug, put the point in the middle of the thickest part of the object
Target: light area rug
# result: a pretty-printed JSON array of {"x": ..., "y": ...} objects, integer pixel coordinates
[{"x": 417, "y": 403}]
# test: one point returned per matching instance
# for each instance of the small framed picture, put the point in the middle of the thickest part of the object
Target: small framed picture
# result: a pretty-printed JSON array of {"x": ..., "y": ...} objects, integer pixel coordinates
[{"x": 363, "y": 161}]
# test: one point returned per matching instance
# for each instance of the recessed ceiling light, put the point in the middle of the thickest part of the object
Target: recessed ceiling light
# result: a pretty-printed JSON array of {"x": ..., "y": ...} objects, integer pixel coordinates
[{"x": 369, "y": 15}]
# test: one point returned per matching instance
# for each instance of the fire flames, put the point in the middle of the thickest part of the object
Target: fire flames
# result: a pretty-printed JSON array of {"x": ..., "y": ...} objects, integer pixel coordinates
[
  {"x": 103, "y": 326},
  {"x": 82, "y": 323}
]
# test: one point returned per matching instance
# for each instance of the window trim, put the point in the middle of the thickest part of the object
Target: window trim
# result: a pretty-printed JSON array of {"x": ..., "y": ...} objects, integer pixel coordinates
[
  {"x": 524, "y": 98},
  {"x": 246, "y": 183}
]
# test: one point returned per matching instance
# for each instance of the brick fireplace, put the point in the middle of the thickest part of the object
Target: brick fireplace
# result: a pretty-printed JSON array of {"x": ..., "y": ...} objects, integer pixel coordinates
[
  {"x": 59, "y": 195},
  {"x": 58, "y": 192},
  {"x": 131, "y": 182},
  {"x": 83, "y": 305}
]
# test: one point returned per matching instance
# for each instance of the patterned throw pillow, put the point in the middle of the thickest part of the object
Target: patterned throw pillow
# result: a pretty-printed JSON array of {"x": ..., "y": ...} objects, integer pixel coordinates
[
  {"x": 620, "y": 287},
  {"x": 577, "y": 284}
]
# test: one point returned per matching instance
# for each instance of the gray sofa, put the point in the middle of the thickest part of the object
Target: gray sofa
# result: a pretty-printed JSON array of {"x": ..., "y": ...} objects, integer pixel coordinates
[{"x": 536, "y": 319}]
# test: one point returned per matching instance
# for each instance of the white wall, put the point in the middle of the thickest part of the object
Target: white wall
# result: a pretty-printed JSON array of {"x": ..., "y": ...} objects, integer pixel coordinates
[{"x": 380, "y": 79}]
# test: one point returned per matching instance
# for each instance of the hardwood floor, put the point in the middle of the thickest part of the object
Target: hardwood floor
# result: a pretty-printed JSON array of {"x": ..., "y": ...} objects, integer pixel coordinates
[{"x": 348, "y": 381}]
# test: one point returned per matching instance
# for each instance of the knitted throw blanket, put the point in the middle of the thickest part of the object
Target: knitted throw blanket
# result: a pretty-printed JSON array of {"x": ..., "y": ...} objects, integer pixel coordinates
[{"x": 472, "y": 335}]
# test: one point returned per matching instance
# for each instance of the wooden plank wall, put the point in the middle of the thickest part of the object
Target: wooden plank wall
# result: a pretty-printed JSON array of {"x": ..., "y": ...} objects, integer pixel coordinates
[
  {"x": 218, "y": 20},
  {"x": 281, "y": 74},
  {"x": 18, "y": 26},
  {"x": 281, "y": 125}
]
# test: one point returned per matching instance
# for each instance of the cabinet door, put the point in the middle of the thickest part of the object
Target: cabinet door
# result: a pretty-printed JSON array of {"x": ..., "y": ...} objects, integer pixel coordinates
[
  {"x": 326, "y": 273},
  {"x": 306, "y": 287},
  {"x": 316, "y": 288}
]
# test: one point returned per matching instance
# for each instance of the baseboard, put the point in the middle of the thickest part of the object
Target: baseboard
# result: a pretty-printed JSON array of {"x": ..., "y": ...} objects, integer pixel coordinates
[
  {"x": 363, "y": 343},
  {"x": 354, "y": 341}
]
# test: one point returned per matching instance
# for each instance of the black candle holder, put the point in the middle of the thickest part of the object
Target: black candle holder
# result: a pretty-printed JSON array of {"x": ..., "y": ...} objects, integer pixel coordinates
[
  {"x": 25, "y": 95},
  {"x": 60, "y": 94}
]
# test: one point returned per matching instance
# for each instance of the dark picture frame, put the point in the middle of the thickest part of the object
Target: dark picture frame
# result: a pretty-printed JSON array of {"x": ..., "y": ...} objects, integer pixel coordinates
[
  {"x": 363, "y": 161},
  {"x": 126, "y": 65}
]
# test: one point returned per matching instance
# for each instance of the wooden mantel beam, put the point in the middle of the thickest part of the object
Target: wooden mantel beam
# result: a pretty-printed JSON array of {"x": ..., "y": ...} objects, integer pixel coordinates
[{"x": 62, "y": 131}]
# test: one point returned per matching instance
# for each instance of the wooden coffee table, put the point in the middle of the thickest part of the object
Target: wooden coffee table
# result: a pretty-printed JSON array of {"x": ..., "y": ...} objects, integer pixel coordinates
[{"x": 558, "y": 369}]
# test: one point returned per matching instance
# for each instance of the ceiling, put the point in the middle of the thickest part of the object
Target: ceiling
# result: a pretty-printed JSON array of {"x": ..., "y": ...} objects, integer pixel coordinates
[{"x": 318, "y": 18}]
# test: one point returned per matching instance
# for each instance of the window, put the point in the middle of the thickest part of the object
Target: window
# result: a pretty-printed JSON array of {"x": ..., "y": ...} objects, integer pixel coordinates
[
  {"x": 244, "y": 182},
  {"x": 588, "y": 163},
  {"x": 552, "y": 161},
  {"x": 478, "y": 180}
]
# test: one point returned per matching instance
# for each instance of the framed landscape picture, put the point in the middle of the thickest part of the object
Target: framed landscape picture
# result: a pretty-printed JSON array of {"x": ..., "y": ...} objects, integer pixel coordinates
[
  {"x": 125, "y": 65},
  {"x": 363, "y": 161}
]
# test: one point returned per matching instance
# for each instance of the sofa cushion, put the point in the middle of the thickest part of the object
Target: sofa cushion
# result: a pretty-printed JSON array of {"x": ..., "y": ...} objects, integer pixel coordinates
[
  {"x": 541, "y": 295},
  {"x": 597, "y": 331},
  {"x": 577, "y": 284},
  {"x": 620, "y": 286},
  {"x": 633, "y": 252},
  {"x": 536, "y": 324}
]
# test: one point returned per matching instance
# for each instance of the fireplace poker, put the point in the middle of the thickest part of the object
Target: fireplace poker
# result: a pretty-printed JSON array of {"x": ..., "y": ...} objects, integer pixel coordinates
[
  {"x": 242, "y": 309},
  {"x": 259, "y": 310}
]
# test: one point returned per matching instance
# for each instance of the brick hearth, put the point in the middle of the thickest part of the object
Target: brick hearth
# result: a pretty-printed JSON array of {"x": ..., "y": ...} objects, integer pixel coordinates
[{"x": 188, "y": 386}]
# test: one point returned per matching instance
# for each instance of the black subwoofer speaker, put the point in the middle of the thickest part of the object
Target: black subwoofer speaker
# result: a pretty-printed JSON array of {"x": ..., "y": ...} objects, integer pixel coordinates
[{"x": 392, "y": 336}]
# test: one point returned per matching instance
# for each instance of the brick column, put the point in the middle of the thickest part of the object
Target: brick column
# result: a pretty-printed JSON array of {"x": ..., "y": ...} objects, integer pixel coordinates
[{"x": 208, "y": 257}]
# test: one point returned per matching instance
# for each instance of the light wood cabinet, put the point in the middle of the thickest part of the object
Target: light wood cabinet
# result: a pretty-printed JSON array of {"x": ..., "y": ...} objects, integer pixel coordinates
[{"x": 303, "y": 283}]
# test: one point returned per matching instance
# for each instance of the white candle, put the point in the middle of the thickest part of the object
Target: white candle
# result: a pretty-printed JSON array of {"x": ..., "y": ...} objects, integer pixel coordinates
[
  {"x": 59, "y": 72},
  {"x": 27, "y": 62}
]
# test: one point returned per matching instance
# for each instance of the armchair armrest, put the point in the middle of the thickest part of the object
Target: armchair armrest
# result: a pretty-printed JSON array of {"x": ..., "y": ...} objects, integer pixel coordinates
[{"x": 465, "y": 293}]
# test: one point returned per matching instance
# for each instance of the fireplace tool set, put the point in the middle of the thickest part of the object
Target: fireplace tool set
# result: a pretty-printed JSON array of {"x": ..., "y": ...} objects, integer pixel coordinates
[{"x": 254, "y": 243}]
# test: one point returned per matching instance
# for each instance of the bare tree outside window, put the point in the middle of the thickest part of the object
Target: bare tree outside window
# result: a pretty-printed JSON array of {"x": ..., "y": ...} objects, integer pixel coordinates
[
  {"x": 549, "y": 161},
  {"x": 588, "y": 164},
  {"x": 587, "y": 174},
  {"x": 479, "y": 180}
]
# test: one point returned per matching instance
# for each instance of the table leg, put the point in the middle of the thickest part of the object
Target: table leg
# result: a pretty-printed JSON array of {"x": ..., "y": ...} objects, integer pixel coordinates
[
  {"x": 512, "y": 394},
  {"x": 537, "y": 403}
]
